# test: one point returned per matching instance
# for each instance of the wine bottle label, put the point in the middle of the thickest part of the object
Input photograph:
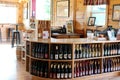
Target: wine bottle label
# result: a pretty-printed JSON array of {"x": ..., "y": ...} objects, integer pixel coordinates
[
  {"x": 45, "y": 75},
  {"x": 60, "y": 56},
  {"x": 58, "y": 75},
  {"x": 75, "y": 75},
  {"x": 54, "y": 75},
  {"x": 86, "y": 72},
  {"x": 89, "y": 72},
  {"x": 46, "y": 55},
  {"x": 50, "y": 75},
  {"x": 119, "y": 51},
  {"x": 62, "y": 75},
  {"x": 77, "y": 55},
  {"x": 66, "y": 75},
  {"x": 39, "y": 35},
  {"x": 69, "y": 56},
  {"x": 65, "y": 56},
  {"x": 56, "y": 56},
  {"x": 51, "y": 56},
  {"x": 70, "y": 75}
]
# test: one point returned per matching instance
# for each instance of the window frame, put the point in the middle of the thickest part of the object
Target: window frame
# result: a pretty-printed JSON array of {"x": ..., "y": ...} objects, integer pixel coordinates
[{"x": 106, "y": 16}]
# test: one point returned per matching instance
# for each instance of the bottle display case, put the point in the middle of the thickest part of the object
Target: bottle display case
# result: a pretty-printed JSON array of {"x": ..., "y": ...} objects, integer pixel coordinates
[{"x": 72, "y": 59}]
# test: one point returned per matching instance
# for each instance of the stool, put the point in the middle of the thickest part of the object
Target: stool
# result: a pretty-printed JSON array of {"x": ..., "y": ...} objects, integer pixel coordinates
[
  {"x": 0, "y": 35},
  {"x": 15, "y": 34},
  {"x": 9, "y": 31}
]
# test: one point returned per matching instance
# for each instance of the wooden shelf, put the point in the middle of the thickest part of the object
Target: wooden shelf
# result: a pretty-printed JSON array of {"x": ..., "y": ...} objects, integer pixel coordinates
[
  {"x": 60, "y": 60},
  {"x": 40, "y": 59},
  {"x": 88, "y": 58},
  {"x": 111, "y": 56},
  {"x": 40, "y": 78}
]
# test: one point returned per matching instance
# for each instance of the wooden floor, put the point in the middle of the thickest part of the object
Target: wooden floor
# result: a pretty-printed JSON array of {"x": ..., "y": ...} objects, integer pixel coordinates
[
  {"x": 10, "y": 67},
  {"x": 13, "y": 69}
]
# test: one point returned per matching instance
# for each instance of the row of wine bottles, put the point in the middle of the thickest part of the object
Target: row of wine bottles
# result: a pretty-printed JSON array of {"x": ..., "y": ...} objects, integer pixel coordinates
[
  {"x": 60, "y": 70},
  {"x": 87, "y": 50},
  {"x": 64, "y": 51},
  {"x": 87, "y": 67},
  {"x": 111, "y": 49},
  {"x": 61, "y": 51},
  {"x": 39, "y": 68},
  {"x": 40, "y": 50},
  {"x": 111, "y": 64}
]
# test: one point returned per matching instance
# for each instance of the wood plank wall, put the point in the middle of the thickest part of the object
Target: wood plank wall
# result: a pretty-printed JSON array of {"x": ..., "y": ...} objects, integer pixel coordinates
[{"x": 79, "y": 15}]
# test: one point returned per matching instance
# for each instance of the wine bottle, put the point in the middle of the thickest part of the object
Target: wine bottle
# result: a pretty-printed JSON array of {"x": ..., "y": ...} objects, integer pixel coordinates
[
  {"x": 69, "y": 71},
  {"x": 46, "y": 51},
  {"x": 96, "y": 50},
  {"x": 77, "y": 52},
  {"x": 56, "y": 52},
  {"x": 65, "y": 52},
  {"x": 98, "y": 67},
  {"x": 41, "y": 51},
  {"x": 41, "y": 70},
  {"x": 61, "y": 52},
  {"x": 51, "y": 70},
  {"x": 52, "y": 56},
  {"x": 89, "y": 68},
  {"x": 95, "y": 67},
  {"x": 80, "y": 68},
  {"x": 80, "y": 51},
  {"x": 116, "y": 45},
  {"x": 99, "y": 50},
  {"x": 69, "y": 48},
  {"x": 38, "y": 70},
  {"x": 83, "y": 68},
  {"x": 77, "y": 69},
  {"x": 108, "y": 65},
  {"x": 118, "y": 49},
  {"x": 105, "y": 49},
  {"x": 46, "y": 70},
  {"x": 92, "y": 50},
  {"x": 87, "y": 51},
  {"x": 66, "y": 71},
  {"x": 92, "y": 67},
  {"x": 62, "y": 71},
  {"x": 86, "y": 68},
  {"x": 58, "y": 71},
  {"x": 109, "y": 50},
  {"x": 54, "y": 71}
]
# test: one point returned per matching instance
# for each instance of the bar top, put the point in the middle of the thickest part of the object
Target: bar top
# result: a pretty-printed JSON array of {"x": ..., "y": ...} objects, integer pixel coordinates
[{"x": 71, "y": 41}]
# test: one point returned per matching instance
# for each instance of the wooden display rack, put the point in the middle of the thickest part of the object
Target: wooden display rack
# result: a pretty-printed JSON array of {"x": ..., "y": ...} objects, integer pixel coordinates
[{"x": 73, "y": 43}]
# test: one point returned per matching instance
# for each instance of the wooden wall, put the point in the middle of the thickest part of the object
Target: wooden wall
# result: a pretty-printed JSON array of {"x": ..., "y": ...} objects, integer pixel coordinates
[
  {"x": 60, "y": 21},
  {"x": 79, "y": 15}
]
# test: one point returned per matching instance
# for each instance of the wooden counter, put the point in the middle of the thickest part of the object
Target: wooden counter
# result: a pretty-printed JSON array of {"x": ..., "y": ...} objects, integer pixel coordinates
[
  {"x": 71, "y": 41},
  {"x": 90, "y": 52},
  {"x": 67, "y": 35}
]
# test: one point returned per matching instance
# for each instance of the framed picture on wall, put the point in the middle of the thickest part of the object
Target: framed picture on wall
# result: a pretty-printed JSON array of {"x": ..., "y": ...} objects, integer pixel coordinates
[
  {"x": 91, "y": 21},
  {"x": 69, "y": 26},
  {"x": 62, "y": 8},
  {"x": 116, "y": 12}
]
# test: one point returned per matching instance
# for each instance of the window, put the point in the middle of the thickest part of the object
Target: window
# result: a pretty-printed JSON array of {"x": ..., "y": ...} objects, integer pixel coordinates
[
  {"x": 8, "y": 14},
  {"x": 43, "y": 10},
  {"x": 98, "y": 11}
]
